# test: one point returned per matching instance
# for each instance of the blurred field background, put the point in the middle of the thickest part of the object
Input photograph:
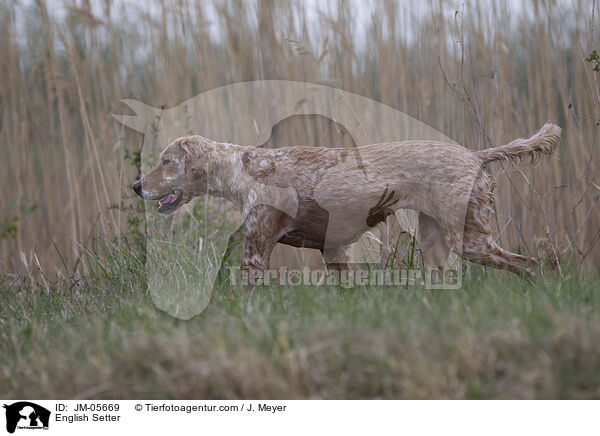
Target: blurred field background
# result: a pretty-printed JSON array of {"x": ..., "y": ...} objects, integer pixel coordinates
[
  {"x": 75, "y": 318},
  {"x": 482, "y": 73}
]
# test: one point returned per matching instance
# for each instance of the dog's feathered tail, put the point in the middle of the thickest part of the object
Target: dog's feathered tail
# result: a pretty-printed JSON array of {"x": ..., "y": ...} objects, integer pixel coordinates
[{"x": 543, "y": 143}]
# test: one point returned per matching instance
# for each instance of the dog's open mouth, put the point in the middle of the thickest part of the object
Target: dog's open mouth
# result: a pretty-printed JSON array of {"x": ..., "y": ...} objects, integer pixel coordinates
[{"x": 169, "y": 201}]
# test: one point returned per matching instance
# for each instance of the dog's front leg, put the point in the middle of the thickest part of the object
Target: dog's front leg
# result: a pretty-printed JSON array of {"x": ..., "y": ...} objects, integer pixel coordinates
[
  {"x": 256, "y": 254},
  {"x": 255, "y": 258},
  {"x": 262, "y": 229},
  {"x": 336, "y": 258}
]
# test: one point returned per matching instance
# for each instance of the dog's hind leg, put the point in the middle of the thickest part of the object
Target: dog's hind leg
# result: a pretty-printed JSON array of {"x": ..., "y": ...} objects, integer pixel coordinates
[
  {"x": 432, "y": 242},
  {"x": 478, "y": 244},
  {"x": 482, "y": 248}
]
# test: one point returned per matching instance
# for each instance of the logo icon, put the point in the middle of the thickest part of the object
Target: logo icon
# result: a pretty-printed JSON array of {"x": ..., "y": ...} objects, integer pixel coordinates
[{"x": 26, "y": 415}]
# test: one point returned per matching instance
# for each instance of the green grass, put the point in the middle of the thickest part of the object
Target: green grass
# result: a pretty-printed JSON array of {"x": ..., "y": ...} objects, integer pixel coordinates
[{"x": 498, "y": 337}]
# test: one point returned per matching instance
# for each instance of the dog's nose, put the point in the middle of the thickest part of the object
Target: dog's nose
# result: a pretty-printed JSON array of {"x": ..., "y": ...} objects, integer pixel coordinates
[{"x": 137, "y": 187}]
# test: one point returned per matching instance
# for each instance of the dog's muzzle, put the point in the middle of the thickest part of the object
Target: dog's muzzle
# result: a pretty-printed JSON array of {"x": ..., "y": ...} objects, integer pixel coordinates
[{"x": 137, "y": 187}]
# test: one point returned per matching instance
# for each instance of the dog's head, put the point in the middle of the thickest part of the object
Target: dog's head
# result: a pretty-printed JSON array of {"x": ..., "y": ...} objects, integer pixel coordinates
[{"x": 179, "y": 176}]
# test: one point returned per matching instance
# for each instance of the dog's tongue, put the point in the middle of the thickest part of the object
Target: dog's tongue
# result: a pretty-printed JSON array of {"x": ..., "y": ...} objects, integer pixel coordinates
[{"x": 168, "y": 199}]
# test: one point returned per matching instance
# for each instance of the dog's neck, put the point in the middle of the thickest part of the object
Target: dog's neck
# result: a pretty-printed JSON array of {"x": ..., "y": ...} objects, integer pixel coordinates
[{"x": 226, "y": 175}]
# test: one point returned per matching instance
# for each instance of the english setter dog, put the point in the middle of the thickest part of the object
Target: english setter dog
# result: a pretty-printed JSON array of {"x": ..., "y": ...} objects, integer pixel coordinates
[{"x": 326, "y": 198}]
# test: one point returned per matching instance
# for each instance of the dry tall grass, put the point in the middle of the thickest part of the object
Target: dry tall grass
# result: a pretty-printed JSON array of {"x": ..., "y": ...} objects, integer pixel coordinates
[{"x": 478, "y": 72}]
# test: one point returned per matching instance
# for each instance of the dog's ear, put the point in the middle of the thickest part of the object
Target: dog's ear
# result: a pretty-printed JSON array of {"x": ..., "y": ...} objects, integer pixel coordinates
[
  {"x": 198, "y": 168},
  {"x": 193, "y": 156},
  {"x": 190, "y": 148}
]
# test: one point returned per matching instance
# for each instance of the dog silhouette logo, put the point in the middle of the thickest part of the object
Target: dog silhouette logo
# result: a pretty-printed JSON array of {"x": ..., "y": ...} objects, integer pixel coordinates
[{"x": 26, "y": 415}]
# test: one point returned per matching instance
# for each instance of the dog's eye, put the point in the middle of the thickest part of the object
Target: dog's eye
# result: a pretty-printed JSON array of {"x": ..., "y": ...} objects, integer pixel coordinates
[{"x": 165, "y": 161}]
